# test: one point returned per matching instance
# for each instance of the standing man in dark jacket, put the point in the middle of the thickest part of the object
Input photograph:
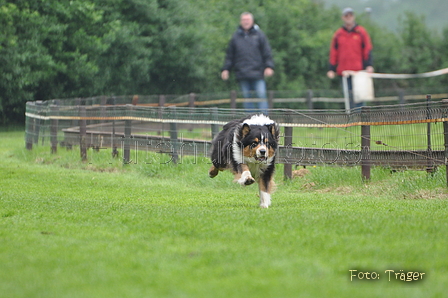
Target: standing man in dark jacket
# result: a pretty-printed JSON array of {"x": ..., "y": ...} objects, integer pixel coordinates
[
  {"x": 249, "y": 54},
  {"x": 350, "y": 50}
]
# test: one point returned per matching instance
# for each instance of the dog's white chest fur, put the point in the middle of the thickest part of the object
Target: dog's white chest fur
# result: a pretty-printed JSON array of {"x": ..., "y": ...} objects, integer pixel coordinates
[{"x": 256, "y": 168}]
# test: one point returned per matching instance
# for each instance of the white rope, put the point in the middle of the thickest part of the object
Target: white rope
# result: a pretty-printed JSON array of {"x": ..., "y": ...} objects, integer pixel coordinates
[{"x": 402, "y": 75}]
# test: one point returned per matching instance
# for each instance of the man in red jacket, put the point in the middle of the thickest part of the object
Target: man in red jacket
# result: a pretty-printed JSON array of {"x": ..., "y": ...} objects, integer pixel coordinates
[{"x": 351, "y": 48}]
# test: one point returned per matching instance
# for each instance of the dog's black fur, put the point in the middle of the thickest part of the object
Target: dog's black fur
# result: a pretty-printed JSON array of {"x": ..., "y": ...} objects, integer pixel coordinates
[{"x": 248, "y": 147}]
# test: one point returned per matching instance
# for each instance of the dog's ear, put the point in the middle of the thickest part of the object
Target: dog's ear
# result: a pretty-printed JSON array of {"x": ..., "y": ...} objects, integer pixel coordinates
[
  {"x": 274, "y": 129},
  {"x": 245, "y": 129}
]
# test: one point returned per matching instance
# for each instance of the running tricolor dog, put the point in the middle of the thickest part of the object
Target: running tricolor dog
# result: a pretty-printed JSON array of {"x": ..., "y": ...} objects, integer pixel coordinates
[{"x": 247, "y": 147}]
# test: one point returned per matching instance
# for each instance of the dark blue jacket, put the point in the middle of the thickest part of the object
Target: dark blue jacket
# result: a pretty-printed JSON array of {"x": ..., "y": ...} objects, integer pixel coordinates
[{"x": 248, "y": 54}]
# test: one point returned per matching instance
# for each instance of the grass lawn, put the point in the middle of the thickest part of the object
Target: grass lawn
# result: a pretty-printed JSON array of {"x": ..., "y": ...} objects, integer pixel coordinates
[{"x": 103, "y": 229}]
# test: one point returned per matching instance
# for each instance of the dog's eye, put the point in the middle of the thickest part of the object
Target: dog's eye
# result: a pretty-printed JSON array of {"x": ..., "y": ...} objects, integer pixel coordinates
[{"x": 254, "y": 144}]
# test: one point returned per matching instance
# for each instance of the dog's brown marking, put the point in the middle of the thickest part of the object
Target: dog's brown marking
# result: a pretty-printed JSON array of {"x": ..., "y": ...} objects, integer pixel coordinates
[
  {"x": 266, "y": 188},
  {"x": 262, "y": 185},
  {"x": 214, "y": 171},
  {"x": 245, "y": 130},
  {"x": 273, "y": 130},
  {"x": 236, "y": 176},
  {"x": 244, "y": 167},
  {"x": 247, "y": 151}
]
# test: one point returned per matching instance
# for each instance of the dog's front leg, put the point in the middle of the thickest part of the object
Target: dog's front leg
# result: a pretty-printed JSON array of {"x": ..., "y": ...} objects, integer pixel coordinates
[
  {"x": 264, "y": 186},
  {"x": 244, "y": 177}
]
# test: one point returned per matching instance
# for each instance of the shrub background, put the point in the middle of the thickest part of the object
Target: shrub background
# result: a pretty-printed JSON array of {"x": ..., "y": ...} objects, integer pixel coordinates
[{"x": 59, "y": 49}]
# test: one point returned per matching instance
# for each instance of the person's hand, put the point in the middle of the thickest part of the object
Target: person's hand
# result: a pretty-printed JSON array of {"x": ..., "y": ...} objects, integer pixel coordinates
[
  {"x": 369, "y": 69},
  {"x": 268, "y": 72},
  {"x": 331, "y": 74},
  {"x": 225, "y": 75}
]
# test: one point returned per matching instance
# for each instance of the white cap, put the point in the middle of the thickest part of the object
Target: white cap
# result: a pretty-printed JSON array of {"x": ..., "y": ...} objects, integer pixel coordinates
[{"x": 347, "y": 10}]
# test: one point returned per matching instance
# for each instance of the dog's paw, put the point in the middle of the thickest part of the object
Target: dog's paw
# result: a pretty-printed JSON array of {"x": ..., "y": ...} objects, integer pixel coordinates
[
  {"x": 213, "y": 172},
  {"x": 249, "y": 181},
  {"x": 265, "y": 199},
  {"x": 246, "y": 178}
]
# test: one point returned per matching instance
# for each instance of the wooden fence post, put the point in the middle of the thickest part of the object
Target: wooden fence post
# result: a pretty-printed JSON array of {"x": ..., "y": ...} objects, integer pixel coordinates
[
  {"x": 445, "y": 135},
  {"x": 162, "y": 101},
  {"x": 233, "y": 99},
  {"x": 287, "y": 169},
  {"x": 430, "y": 165},
  {"x": 103, "y": 102},
  {"x": 401, "y": 99},
  {"x": 37, "y": 122},
  {"x": 173, "y": 138},
  {"x": 83, "y": 133},
  {"x": 365, "y": 144},
  {"x": 29, "y": 128},
  {"x": 214, "y": 127},
  {"x": 191, "y": 100},
  {"x": 114, "y": 137},
  {"x": 135, "y": 100},
  {"x": 77, "y": 103},
  {"x": 270, "y": 99},
  {"x": 127, "y": 138},
  {"x": 54, "y": 129},
  {"x": 309, "y": 99}
]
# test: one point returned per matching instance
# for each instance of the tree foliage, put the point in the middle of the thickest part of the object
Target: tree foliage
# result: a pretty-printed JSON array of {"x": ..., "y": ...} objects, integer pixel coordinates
[{"x": 79, "y": 48}]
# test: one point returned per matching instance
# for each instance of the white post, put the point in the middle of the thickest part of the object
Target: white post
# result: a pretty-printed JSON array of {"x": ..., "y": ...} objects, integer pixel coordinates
[{"x": 346, "y": 94}]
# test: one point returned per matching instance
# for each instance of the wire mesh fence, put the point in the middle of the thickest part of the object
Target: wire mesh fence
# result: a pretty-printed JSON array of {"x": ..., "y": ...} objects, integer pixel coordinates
[{"x": 411, "y": 135}]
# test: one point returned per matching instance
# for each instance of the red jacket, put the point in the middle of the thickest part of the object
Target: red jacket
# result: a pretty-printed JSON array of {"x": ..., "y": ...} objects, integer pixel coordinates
[{"x": 350, "y": 50}]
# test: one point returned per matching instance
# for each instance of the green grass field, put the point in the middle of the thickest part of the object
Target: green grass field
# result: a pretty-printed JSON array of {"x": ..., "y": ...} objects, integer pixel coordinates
[{"x": 103, "y": 229}]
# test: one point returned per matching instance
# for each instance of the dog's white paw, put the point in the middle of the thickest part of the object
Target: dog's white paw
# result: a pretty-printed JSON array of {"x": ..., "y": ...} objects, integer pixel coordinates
[
  {"x": 246, "y": 178},
  {"x": 265, "y": 199}
]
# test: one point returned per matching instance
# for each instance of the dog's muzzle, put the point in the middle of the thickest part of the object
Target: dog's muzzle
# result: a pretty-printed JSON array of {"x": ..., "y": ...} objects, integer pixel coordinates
[{"x": 262, "y": 154}]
